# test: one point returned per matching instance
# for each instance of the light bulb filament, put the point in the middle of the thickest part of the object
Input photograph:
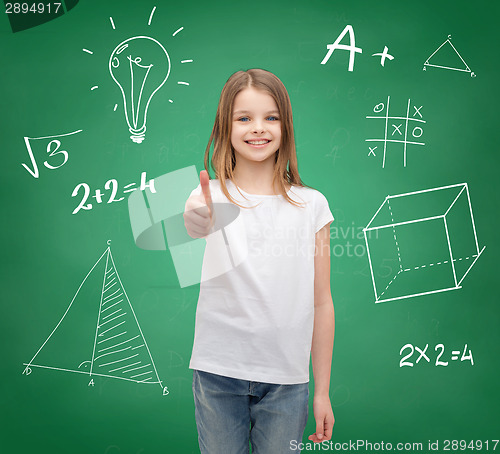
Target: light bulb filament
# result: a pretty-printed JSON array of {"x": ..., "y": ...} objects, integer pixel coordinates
[{"x": 135, "y": 108}]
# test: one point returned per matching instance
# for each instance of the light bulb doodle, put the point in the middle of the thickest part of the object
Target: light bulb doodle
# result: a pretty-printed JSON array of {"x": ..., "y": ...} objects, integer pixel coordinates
[{"x": 137, "y": 80}]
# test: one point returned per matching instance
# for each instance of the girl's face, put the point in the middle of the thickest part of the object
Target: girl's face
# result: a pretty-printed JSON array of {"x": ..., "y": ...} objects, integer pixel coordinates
[{"x": 256, "y": 126}]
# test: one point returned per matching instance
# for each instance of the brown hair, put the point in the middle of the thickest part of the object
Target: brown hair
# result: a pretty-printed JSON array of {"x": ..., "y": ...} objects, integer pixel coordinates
[{"x": 223, "y": 160}]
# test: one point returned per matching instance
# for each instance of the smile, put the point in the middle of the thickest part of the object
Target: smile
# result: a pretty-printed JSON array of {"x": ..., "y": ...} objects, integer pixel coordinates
[{"x": 257, "y": 142}]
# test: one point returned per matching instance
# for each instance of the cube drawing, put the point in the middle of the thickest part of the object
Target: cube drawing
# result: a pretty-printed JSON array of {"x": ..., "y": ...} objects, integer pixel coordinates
[{"x": 421, "y": 242}]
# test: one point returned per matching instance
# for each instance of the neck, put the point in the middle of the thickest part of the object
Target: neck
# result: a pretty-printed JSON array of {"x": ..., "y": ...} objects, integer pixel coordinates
[{"x": 255, "y": 177}]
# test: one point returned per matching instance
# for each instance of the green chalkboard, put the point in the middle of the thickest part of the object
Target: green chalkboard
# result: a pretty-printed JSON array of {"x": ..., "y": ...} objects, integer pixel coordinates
[{"x": 399, "y": 130}]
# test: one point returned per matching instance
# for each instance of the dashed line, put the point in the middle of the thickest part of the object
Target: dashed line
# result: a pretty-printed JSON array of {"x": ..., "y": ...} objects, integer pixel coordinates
[
  {"x": 392, "y": 280},
  {"x": 395, "y": 239},
  {"x": 440, "y": 263}
]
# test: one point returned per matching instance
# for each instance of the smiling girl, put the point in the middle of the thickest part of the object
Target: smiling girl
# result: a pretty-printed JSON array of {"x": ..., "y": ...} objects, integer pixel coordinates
[{"x": 259, "y": 324}]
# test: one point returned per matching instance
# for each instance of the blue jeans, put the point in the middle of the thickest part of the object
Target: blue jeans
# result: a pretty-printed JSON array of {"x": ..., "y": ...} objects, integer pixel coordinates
[{"x": 232, "y": 413}]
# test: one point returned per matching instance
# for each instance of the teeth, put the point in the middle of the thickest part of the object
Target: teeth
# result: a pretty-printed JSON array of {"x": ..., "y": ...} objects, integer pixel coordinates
[{"x": 257, "y": 142}]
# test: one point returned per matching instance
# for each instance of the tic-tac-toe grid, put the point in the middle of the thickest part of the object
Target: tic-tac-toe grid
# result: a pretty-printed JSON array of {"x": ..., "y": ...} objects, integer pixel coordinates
[{"x": 405, "y": 130}]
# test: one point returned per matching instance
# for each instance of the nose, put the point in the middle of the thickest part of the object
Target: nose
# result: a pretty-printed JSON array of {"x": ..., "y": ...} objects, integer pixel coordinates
[{"x": 258, "y": 126}]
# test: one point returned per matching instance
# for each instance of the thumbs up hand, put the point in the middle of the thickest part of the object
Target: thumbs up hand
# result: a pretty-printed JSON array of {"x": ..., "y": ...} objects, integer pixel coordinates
[{"x": 198, "y": 212}]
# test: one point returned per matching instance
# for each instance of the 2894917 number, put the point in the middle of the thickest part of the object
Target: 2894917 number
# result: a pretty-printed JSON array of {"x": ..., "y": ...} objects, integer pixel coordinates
[
  {"x": 477, "y": 445},
  {"x": 32, "y": 7}
]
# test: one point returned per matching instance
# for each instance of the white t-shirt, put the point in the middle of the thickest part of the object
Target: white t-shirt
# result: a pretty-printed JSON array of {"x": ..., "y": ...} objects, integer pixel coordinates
[{"x": 255, "y": 321}]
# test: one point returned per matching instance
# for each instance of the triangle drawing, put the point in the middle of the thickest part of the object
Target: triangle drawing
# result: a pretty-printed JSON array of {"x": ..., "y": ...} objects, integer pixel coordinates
[
  {"x": 446, "y": 56},
  {"x": 99, "y": 334}
]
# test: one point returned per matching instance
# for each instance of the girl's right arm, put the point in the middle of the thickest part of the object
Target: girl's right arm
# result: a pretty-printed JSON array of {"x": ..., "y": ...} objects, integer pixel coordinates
[{"x": 198, "y": 217}]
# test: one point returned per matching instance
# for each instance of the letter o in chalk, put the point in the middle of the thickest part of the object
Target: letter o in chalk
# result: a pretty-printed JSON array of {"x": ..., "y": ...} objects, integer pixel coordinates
[{"x": 416, "y": 134}]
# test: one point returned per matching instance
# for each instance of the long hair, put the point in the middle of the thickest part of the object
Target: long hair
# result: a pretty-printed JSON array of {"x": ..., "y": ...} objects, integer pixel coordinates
[{"x": 223, "y": 159}]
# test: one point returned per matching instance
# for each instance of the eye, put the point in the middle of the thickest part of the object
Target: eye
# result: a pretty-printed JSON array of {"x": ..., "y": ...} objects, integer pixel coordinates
[
  {"x": 272, "y": 118},
  {"x": 243, "y": 119}
]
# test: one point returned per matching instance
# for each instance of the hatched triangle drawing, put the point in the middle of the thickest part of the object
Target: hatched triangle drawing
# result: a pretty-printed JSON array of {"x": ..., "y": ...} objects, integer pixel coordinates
[
  {"x": 446, "y": 56},
  {"x": 99, "y": 334}
]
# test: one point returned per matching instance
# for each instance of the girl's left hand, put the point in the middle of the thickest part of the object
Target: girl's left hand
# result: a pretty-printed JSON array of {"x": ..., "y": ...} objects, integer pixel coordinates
[{"x": 323, "y": 414}]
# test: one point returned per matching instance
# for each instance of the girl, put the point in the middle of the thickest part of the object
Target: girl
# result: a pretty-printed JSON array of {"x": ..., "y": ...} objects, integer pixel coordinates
[{"x": 258, "y": 323}]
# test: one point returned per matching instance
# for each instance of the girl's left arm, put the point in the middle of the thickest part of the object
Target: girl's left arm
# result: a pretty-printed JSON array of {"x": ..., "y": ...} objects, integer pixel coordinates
[{"x": 322, "y": 342}]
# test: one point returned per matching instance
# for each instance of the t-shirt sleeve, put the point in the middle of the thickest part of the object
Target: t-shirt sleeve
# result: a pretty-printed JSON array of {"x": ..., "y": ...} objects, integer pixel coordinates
[{"x": 322, "y": 215}]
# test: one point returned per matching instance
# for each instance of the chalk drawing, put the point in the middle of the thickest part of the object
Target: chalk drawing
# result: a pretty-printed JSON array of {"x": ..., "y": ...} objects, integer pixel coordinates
[
  {"x": 383, "y": 55},
  {"x": 110, "y": 192},
  {"x": 351, "y": 47},
  {"x": 426, "y": 243},
  {"x": 140, "y": 66},
  {"x": 422, "y": 355},
  {"x": 138, "y": 82},
  {"x": 53, "y": 149},
  {"x": 393, "y": 128},
  {"x": 458, "y": 67},
  {"x": 151, "y": 15},
  {"x": 116, "y": 345},
  {"x": 353, "y": 50}
]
